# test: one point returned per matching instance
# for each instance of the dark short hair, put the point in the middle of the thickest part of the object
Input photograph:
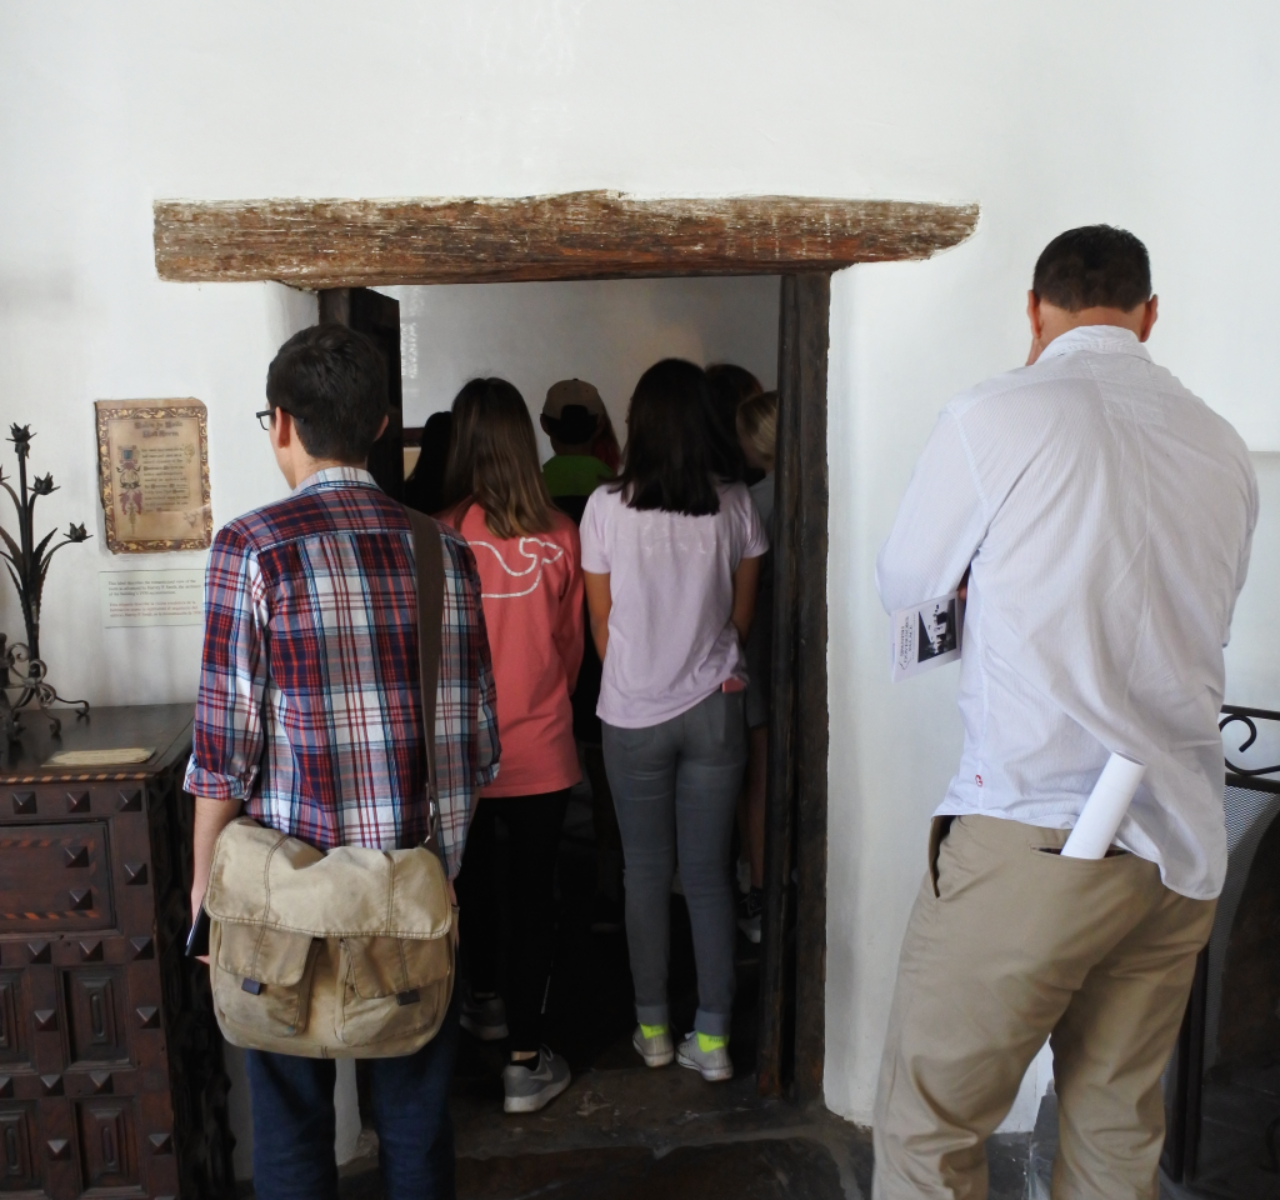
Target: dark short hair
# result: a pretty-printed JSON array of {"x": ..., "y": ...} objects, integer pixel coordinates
[
  {"x": 575, "y": 426},
  {"x": 671, "y": 459},
  {"x": 333, "y": 382},
  {"x": 1095, "y": 266},
  {"x": 730, "y": 385},
  {"x": 424, "y": 489}
]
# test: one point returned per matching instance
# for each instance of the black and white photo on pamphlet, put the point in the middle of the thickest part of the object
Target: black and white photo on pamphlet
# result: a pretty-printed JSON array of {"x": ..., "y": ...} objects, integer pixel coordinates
[{"x": 927, "y": 635}]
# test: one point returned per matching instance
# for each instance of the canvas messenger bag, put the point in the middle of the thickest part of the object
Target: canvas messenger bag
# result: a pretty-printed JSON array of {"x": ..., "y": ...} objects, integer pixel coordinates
[{"x": 348, "y": 954}]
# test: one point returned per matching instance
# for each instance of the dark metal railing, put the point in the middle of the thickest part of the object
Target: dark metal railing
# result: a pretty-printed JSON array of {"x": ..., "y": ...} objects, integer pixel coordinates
[{"x": 1254, "y": 777}]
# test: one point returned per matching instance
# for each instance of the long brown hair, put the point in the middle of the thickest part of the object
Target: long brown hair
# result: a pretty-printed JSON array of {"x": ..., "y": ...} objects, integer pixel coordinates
[{"x": 493, "y": 461}]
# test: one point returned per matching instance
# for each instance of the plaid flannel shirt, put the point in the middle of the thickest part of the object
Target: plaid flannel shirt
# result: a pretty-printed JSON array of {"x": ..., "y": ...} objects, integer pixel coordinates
[{"x": 309, "y": 708}]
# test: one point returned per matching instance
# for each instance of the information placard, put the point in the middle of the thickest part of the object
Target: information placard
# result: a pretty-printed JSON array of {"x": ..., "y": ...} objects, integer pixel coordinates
[{"x": 138, "y": 598}]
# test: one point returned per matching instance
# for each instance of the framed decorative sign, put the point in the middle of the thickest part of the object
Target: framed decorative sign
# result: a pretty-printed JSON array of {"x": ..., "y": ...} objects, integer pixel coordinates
[{"x": 153, "y": 468}]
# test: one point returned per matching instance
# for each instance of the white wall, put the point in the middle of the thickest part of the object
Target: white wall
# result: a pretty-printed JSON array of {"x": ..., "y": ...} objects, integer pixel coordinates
[
  {"x": 608, "y": 333},
  {"x": 1160, "y": 115}
]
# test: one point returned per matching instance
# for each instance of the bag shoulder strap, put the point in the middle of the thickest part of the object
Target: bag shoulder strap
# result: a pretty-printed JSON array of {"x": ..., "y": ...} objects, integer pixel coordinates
[{"x": 429, "y": 557}]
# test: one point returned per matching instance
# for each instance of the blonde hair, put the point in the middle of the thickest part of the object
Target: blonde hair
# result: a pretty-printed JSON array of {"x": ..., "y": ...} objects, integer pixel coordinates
[
  {"x": 757, "y": 422},
  {"x": 493, "y": 461}
]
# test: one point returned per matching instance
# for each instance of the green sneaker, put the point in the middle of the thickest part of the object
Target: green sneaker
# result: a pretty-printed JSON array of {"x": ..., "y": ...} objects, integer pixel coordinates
[{"x": 657, "y": 1051}]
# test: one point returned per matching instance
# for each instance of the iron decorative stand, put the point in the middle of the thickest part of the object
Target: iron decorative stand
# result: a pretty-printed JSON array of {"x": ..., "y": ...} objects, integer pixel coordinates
[
  {"x": 1249, "y": 718},
  {"x": 27, "y": 562}
]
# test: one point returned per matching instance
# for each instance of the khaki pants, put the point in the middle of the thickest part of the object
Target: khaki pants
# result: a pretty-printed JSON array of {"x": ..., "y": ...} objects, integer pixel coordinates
[{"x": 1008, "y": 945}]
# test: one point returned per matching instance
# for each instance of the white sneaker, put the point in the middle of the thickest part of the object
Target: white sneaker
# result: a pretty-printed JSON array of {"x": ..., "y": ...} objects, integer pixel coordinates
[
  {"x": 656, "y": 1051},
  {"x": 715, "y": 1066},
  {"x": 526, "y": 1090}
]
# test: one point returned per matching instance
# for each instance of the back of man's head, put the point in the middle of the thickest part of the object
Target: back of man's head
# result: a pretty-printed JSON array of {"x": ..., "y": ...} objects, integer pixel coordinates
[
  {"x": 333, "y": 382},
  {"x": 1095, "y": 266}
]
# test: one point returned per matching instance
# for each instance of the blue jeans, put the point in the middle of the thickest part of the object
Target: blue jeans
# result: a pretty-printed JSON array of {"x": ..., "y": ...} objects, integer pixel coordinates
[
  {"x": 293, "y": 1121},
  {"x": 675, "y": 787}
]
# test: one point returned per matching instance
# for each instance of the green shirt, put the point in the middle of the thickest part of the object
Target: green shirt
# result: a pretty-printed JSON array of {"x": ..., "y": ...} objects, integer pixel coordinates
[{"x": 574, "y": 474}]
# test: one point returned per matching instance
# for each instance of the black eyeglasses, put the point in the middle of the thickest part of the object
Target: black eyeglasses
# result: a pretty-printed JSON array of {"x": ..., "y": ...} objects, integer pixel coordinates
[{"x": 264, "y": 417}]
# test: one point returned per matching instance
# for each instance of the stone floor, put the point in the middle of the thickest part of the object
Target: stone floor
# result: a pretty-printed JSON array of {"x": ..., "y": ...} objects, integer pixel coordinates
[{"x": 634, "y": 1133}]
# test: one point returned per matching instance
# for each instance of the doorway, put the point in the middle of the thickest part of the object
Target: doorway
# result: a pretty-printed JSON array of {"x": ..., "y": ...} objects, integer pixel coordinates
[
  {"x": 338, "y": 247},
  {"x": 606, "y": 333},
  {"x": 779, "y": 1020}
]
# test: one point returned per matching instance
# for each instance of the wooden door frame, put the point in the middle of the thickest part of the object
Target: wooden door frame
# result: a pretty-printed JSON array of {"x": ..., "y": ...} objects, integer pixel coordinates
[
  {"x": 379, "y": 316},
  {"x": 328, "y": 245},
  {"x": 795, "y": 926}
]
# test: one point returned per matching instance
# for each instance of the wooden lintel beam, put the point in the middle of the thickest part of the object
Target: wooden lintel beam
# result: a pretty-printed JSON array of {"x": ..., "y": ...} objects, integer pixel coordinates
[{"x": 579, "y": 235}]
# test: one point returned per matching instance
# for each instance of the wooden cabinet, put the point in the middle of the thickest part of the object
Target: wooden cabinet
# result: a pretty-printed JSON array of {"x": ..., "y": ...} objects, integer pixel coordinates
[{"x": 111, "y": 1076}]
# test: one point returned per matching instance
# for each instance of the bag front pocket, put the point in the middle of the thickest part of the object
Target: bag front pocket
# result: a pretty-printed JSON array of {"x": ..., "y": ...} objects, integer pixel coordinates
[
  {"x": 262, "y": 981},
  {"x": 392, "y": 988}
]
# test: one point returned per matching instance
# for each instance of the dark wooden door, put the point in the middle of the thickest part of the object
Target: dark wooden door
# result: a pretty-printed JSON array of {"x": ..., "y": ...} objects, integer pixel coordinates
[{"x": 378, "y": 317}]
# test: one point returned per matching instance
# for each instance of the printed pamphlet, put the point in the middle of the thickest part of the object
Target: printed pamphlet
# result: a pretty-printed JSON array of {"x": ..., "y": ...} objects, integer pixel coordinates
[{"x": 927, "y": 635}]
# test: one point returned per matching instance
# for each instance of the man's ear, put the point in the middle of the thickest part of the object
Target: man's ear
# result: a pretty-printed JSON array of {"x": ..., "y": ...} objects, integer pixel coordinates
[
  {"x": 383, "y": 427},
  {"x": 1034, "y": 316},
  {"x": 545, "y": 423},
  {"x": 281, "y": 430},
  {"x": 1149, "y": 318}
]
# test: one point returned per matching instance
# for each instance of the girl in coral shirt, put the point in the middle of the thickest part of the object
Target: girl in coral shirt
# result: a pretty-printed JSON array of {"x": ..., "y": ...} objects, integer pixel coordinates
[{"x": 531, "y": 580}]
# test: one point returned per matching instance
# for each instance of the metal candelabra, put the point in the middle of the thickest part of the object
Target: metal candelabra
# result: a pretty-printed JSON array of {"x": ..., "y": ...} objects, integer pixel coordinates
[{"x": 28, "y": 564}]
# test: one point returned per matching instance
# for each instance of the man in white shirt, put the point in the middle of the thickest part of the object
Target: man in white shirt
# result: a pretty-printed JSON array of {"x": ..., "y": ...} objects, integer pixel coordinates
[{"x": 1102, "y": 516}]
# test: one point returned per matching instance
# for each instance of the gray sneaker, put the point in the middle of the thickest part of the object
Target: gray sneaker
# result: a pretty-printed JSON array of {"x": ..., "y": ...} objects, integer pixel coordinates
[
  {"x": 484, "y": 1019},
  {"x": 526, "y": 1090},
  {"x": 714, "y": 1066},
  {"x": 656, "y": 1051}
]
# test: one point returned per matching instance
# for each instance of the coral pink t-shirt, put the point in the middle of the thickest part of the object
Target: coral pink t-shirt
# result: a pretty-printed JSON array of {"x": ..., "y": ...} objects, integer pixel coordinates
[{"x": 532, "y": 594}]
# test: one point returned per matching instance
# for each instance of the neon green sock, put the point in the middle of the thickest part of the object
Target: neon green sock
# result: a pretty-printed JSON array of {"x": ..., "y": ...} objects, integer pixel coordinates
[
  {"x": 707, "y": 1043},
  {"x": 652, "y": 1031}
]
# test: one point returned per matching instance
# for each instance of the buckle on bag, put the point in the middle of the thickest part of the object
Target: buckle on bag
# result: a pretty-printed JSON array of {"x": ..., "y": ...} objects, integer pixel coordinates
[
  {"x": 252, "y": 986},
  {"x": 409, "y": 997}
]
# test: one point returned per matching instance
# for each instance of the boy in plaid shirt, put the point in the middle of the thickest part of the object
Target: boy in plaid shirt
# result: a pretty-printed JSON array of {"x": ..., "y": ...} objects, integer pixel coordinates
[{"x": 309, "y": 720}]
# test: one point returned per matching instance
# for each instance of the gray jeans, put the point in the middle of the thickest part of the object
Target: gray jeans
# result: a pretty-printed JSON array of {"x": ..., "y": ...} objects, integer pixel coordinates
[{"x": 677, "y": 784}]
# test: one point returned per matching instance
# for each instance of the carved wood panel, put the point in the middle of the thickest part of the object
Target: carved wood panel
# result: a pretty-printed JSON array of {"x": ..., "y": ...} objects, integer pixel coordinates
[
  {"x": 111, "y": 1077},
  {"x": 56, "y": 877},
  {"x": 17, "y": 1166},
  {"x": 108, "y": 1145},
  {"x": 95, "y": 1016},
  {"x": 12, "y": 1039}
]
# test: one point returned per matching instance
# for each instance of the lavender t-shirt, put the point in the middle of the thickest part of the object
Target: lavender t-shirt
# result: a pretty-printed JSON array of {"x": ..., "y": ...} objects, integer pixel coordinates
[{"x": 671, "y": 579}]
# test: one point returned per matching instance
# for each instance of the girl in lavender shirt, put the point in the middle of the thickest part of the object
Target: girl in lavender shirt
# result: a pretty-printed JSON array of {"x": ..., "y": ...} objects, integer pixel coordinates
[{"x": 671, "y": 558}]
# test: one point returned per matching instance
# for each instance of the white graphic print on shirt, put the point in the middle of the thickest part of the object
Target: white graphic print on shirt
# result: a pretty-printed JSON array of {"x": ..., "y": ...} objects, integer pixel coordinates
[{"x": 545, "y": 552}]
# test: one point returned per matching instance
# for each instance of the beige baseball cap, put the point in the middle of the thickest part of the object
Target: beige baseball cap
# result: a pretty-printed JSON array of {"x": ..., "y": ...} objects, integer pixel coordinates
[{"x": 572, "y": 391}]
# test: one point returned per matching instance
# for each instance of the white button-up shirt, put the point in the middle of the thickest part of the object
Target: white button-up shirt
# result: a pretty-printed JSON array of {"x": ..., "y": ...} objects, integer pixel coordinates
[{"x": 1107, "y": 514}]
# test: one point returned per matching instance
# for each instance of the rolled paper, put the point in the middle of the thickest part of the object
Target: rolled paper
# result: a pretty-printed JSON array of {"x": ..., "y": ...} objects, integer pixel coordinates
[{"x": 1104, "y": 810}]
